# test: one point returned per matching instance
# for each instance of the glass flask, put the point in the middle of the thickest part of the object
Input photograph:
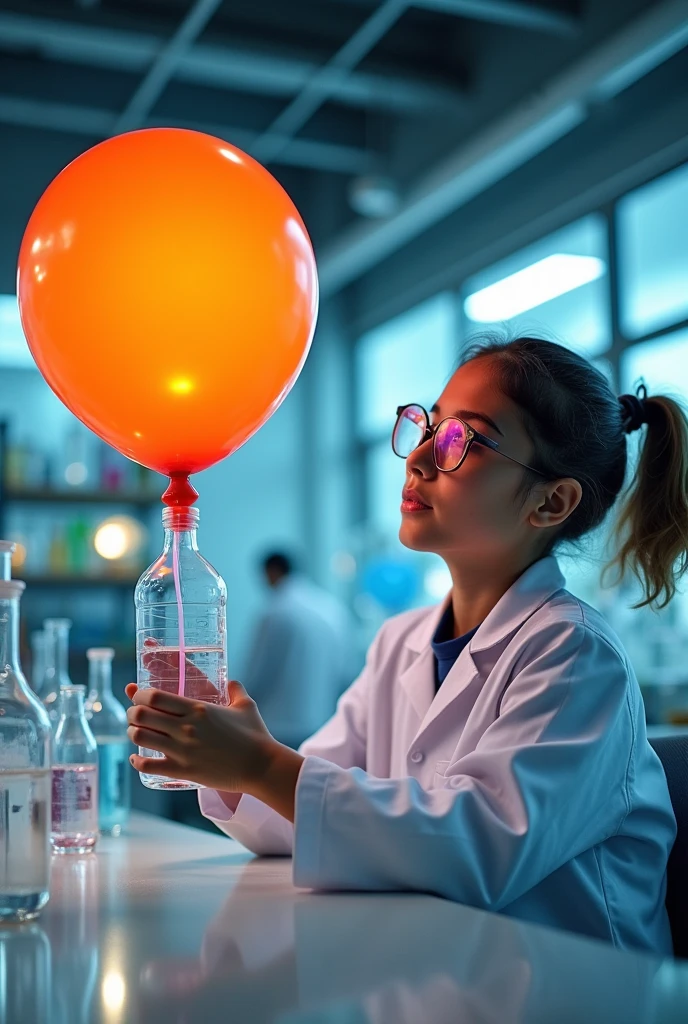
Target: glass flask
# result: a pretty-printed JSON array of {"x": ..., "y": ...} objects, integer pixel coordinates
[
  {"x": 38, "y": 660},
  {"x": 56, "y": 665},
  {"x": 181, "y": 607},
  {"x": 24, "y": 769},
  {"x": 75, "y": 777},
  {"x": 108, "y": 721}
]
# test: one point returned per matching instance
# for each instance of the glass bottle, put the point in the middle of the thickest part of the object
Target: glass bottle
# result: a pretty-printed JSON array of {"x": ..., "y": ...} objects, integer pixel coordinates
[
  {"x": 39, "y": 661},
  {"x": 24, "y": 769},
  {"x": 56, "y": 665},
  {"x": 75, "y": 777},
  {"x": 180, "y": 606},
  {"x": 108, "y": 721}
]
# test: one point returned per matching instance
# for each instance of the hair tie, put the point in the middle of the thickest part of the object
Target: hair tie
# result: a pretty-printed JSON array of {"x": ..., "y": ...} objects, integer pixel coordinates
[{"x": 633, "y": 409}]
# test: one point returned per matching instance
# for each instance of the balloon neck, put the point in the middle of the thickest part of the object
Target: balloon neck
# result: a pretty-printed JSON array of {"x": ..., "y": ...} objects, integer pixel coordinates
[{"x": 180, "y": 491}]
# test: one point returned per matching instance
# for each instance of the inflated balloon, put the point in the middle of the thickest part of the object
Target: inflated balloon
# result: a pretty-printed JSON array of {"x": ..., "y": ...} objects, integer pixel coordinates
[{"x": 168, "y": 292}]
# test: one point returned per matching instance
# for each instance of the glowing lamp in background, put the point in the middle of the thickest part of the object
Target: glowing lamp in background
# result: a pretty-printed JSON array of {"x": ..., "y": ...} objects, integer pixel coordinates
[
  {"x": 18, "y": 555},
  {"x": 118, "y": 538}
]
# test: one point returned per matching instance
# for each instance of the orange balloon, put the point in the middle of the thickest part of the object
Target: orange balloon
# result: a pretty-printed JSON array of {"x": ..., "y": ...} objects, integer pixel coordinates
[{"x": 168, "y": 292}]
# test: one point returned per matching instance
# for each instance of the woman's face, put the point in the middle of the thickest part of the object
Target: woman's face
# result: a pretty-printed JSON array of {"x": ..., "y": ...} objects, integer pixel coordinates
[{"x": 475, "y": 513}]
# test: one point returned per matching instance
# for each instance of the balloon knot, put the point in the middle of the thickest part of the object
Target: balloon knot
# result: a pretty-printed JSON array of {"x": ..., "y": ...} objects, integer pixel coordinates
[{"x": 180, "y": 491}]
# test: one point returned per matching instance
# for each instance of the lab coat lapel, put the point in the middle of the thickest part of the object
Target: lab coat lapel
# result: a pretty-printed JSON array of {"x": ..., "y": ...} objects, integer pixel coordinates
[
  {"x": 418, "y": 678},
  {"x": 530, "y": 591},
  {"x": 460, "y": 676}
]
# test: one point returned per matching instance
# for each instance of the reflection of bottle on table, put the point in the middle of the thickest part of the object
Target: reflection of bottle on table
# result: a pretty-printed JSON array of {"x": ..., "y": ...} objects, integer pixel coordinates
[{"x": 180, "y": 607}]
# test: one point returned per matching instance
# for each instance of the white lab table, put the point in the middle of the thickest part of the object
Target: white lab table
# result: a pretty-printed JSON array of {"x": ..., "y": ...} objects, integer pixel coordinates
[{"x": 171, "y": 924}]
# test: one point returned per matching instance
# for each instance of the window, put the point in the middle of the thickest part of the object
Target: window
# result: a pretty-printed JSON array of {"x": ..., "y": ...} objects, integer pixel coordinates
[
  {"x": 662, "y": 363},
  {"x": 408, "y": 359},
  {"x": 556, "y": 288},
  {"x": 14, "y": 352},
  {"x": 652, "y": 225}
]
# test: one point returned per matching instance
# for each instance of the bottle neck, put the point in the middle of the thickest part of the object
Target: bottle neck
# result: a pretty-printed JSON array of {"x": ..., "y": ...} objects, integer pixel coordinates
[
  {"x": 9, "y": 637},
  {"x": 58, "y": 655},
  {"x": 100, "y": 677},
  {"x": 72, "y": 702},
  {"x": 184, "y": 539}
]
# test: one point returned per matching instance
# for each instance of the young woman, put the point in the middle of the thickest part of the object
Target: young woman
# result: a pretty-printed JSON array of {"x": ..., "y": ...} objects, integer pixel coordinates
[{"x": 493, "y": 751}]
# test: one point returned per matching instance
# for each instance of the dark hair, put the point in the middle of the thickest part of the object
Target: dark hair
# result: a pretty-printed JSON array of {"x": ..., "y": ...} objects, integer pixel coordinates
[
  {"x": 278, "y": 561},
  {"x": 578, "y": 427}
]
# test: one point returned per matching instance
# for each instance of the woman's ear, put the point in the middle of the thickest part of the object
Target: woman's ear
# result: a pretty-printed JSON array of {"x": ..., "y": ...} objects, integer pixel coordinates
[{"x": 555, "y": 501}]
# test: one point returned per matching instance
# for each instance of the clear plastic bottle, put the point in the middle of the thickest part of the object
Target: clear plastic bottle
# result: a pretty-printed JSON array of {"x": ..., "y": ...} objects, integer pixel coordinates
[
  {"x": 56, "y": 665},
  {"x": 108, "y": 721},
  {"x": 24, "y": 769},
  {"x": 180, "y": 606},
  {"x": 75, "y": 777}
]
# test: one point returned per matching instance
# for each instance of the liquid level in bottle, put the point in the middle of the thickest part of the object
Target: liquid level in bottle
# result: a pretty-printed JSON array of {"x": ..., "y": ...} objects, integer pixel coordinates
[
  {"x": 205, "y": 679},
  {"x": 74, "y": 808},
  {"x": 114, "y": 781},
  {"x": 24, "y": 850}
]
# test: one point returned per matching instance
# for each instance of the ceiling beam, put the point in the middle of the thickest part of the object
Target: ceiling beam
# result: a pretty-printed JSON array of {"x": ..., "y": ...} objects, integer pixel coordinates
[
  {"x": 553, "y": 111},
  {"x": 515, "y": 13},
  {"x": 321, "y": 84},
  {"x": 61, "y": 117},
  {"x": 165, "y": 64},
  {"x": 244, "y": 68}
]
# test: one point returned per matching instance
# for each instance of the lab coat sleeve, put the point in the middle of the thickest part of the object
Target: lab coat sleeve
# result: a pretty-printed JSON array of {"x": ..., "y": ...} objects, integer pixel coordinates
[
  {"x": 341, "y": 741},
  {"x": 548, "y": 780}
]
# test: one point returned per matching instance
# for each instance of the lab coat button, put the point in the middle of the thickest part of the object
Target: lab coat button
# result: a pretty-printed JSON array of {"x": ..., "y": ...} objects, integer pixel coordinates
[{"x": 417, "y": 756}]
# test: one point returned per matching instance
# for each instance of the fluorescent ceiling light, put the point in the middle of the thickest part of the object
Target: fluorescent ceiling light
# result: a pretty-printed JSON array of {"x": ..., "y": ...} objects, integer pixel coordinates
[
  {"x": 14, "y": 352},
  {"x": 530, "y": 287}
]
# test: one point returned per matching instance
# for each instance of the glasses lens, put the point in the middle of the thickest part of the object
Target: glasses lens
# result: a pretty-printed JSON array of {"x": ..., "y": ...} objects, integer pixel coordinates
[
  {"x": 409, "y": 430},
  {"x": 450, "y": 444}
]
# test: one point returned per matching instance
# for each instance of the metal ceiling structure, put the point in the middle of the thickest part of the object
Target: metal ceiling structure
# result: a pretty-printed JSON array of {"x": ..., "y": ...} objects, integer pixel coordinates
[{"x": 443, "y": 97}]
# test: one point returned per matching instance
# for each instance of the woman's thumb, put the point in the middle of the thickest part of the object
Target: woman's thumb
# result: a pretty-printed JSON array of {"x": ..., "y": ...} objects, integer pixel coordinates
[{"x": 236, "y": 691}]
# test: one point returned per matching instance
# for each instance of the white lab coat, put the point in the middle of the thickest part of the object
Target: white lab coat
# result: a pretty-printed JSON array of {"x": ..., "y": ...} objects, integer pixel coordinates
[
  {"x": 525, "y": 786},
  {"x": 300, "y": 660}
]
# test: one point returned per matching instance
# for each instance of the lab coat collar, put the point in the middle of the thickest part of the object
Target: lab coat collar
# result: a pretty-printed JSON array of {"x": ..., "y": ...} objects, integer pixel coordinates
[
  {"x": 532, "y": 588},
  {"x": 525, "y": 596}
]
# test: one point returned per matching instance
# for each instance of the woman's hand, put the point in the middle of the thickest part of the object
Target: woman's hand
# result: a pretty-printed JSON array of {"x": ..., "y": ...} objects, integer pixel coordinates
[{"x": 224, "y": 748}]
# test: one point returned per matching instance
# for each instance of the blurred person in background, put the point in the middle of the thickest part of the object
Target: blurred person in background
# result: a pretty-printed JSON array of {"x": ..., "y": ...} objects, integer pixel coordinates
[{"x": 301, "y": 657}]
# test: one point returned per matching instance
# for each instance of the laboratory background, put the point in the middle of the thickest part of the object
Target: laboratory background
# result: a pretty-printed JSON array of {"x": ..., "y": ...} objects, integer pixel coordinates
[{"x": 461, "y": 169}]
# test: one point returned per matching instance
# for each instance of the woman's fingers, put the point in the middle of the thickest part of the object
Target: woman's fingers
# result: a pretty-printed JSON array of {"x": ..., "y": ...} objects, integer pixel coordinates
[
  {"x": 236, "y": 691},
  {"x": 152, "y": 740},
  {"x": 130, "y": 690},
  {"x": 161, "y": 700},
  {"x": 158, "y": 721},
  {"x": 155, "y": 766}
]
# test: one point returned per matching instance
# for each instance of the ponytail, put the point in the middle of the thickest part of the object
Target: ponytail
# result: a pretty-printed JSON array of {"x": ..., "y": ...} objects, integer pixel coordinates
[
  {"x": 652, "y": 527},
  {"x": 579, "y": 428}
]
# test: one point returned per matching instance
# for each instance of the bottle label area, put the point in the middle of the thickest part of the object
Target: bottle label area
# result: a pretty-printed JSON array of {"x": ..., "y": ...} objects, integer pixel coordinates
[{"x": 74, "y": 797}]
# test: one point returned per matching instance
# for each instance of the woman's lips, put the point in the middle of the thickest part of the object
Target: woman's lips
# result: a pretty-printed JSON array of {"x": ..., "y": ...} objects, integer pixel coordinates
[{"x": 411, "y": 502}]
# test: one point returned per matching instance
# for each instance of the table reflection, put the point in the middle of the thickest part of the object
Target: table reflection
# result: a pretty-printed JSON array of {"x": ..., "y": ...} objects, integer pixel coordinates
[
  {"x": 195, "y": 940},
  {"x": 301, "y": 958}
]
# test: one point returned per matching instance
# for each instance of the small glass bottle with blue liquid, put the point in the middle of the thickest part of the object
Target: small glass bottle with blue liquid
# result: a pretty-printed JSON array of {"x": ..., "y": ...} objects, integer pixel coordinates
[{"x": 108, "y": 721}]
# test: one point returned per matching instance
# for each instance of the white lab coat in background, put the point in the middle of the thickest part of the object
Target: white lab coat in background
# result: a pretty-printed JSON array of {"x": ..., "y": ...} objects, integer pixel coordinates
[
  {"x": 526, "y": 786},
  {"x": 301, "y": 659}
]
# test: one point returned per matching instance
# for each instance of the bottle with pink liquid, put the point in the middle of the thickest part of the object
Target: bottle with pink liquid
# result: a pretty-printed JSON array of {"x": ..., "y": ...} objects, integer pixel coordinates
[
  {"x": 181, "y": 641},
  {"x": 74, "y": 777}
]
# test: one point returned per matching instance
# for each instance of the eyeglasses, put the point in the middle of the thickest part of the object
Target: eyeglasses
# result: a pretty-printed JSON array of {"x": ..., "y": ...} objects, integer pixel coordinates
[{"x": 451, "y": 439}]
